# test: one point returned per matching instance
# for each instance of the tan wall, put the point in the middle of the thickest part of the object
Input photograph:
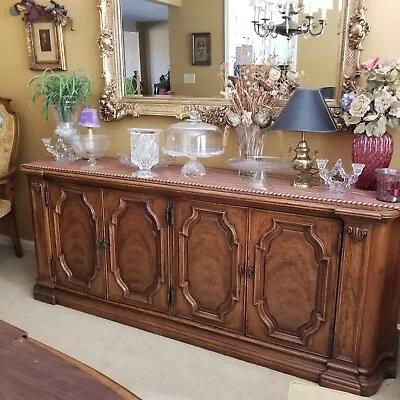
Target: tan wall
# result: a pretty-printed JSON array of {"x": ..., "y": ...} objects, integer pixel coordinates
[
  {"x": 83, "y": 53},
  {"x": 317, "y": 57},
  {"x": 196, "y": 16}
]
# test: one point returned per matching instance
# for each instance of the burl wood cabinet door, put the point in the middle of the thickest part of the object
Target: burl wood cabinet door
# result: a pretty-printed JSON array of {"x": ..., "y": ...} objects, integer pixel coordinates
[
  {"x": 292, "y": 279},
  {"x": 78, "y": 227},
  {"x": 209, "y": 263},
  {"x": 138, "y": 262}
]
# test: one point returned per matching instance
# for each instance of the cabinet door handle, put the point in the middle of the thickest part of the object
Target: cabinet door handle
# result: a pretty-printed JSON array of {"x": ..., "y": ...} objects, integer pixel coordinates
[
  {"x": 102, "y": 243},
  {"x": 241, "y": 270},
  {"x": 251, "y": 273}
]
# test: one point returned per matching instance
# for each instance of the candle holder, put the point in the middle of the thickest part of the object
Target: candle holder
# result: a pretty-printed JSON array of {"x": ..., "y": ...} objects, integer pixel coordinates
[
  {"x": 337, "y": 178},
  {"x": 61, "y": 151}
]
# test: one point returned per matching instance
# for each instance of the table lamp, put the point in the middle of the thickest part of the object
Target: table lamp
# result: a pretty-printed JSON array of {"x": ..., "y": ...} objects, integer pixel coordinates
[
  {"x": 89, "y": 119},
  {"x": 305, "y": 111}
]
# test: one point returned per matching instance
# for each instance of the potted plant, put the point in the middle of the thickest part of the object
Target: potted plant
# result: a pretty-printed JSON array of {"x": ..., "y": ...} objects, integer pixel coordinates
[
  {"x": 369, "y": 111},
  {"x": 61, "y": 92}
]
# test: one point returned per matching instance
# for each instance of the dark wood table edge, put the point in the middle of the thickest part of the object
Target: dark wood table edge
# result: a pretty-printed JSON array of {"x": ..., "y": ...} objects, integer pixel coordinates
[{"x": 103, "y": 379}]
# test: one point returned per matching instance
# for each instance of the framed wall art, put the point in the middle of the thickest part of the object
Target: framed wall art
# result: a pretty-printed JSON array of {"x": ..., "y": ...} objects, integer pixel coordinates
[
  {"x": 201, "y": 48},
  {"x": 45, "y": 45}
]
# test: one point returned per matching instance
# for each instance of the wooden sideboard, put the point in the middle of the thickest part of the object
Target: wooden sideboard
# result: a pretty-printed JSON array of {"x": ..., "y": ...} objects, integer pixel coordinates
[{"x": 296, "y": 280}]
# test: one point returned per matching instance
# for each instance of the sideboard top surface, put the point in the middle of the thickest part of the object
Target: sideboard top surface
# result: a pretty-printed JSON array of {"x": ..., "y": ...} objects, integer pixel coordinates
[{"x": 222, "y": 183}]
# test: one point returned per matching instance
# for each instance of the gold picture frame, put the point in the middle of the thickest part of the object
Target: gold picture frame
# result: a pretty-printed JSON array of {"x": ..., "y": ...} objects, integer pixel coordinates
[{"x": 45, "y": 45}]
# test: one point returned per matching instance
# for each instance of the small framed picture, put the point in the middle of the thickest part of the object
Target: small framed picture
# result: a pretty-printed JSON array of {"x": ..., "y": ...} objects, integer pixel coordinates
[
  {"x": 45, "y": 45},
  {"x": 201, "y": 49}
]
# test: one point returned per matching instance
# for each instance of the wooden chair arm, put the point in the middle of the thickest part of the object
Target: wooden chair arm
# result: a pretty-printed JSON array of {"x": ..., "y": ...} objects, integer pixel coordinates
[{"x": 8, "y": 176}]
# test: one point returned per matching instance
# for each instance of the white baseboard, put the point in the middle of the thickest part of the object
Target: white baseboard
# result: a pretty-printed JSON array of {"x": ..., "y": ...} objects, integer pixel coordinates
[{"x": 27, "y": 245}]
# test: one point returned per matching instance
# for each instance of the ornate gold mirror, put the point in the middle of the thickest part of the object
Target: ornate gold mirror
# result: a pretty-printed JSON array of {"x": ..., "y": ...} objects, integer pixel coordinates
[{"x": 164, "y": 57}]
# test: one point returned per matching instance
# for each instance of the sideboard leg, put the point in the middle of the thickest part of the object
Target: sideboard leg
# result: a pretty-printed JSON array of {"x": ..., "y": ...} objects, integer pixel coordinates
[{"x": 43, "y": 291}]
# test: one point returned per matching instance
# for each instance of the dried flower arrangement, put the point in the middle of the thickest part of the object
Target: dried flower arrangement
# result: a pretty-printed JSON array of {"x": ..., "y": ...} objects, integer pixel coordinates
[
  {"x": 32, "y": 12},
  {"x": 255, "y": 93}
]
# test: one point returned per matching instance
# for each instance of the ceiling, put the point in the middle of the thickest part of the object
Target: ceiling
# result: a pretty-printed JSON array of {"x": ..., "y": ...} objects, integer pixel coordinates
[{"x": 143, "y": 10}]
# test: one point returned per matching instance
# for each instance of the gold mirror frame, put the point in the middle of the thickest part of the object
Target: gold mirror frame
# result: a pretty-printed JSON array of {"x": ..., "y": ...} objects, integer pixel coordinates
[{"x": 114, "y": 106}]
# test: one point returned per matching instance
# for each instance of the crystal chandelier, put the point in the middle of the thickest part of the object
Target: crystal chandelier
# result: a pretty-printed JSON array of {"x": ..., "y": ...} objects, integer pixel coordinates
[{"x": 289, "y": 10}]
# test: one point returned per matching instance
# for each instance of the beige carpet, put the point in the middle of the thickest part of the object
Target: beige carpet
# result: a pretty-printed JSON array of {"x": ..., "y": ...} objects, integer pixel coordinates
[
  {"x": 307, "y": 391},
  {"x": 151, "y": 366}
]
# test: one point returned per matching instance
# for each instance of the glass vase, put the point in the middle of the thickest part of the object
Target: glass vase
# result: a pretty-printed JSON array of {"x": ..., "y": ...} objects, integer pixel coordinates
[
  {"x": 250, "y": 140},
  {"x": 374, "y": 152},
  {"x": 65, "y": 115},
  {"x": 145, "y": 151}
]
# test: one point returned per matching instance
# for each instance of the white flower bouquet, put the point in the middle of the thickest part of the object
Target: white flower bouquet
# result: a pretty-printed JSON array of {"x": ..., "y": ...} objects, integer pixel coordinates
[{"x": 375, "y": 105}]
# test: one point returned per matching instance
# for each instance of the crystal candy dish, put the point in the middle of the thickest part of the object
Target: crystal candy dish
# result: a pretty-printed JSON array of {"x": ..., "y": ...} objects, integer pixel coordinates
[
  {"x": 260, "y": 166},
  {"x": 337, "y": 178},
  {"x": 194, "y": 139},
  {"x": 91, "y": 147}
]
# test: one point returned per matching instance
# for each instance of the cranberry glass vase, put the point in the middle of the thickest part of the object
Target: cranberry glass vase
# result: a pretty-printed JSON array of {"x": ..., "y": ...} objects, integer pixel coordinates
[{"x": 374, "y": 152}]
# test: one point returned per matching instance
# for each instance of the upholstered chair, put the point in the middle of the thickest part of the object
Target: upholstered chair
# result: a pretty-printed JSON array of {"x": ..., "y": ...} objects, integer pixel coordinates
[{"x": 9, "y": 140}]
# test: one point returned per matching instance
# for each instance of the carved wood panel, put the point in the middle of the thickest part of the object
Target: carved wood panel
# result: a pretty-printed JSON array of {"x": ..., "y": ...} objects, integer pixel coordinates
[
  {"x": 78, "y": 226},
  {"x": 352, "y": 281},
  {"x": 209, "y": 263},
  {"x": 138, "y": 237},
  {"x": 292, "y": 295},
  {"x": 41, "y": 223}
]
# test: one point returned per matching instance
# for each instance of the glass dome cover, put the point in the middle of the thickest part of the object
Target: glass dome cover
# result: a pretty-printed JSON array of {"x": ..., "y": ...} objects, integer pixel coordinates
[{"x": 193, "y": 138}]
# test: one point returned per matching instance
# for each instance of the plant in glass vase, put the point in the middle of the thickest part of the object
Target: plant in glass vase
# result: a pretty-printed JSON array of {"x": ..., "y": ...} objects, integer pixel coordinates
[
  {"x": 62, "y": 92},
  {"x": 369, "y": 111},
  {"x": 253, "y": 95}
]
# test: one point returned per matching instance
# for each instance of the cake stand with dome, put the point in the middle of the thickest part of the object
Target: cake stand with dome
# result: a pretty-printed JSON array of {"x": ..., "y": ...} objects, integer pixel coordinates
[{"x": 195, "y": 139}]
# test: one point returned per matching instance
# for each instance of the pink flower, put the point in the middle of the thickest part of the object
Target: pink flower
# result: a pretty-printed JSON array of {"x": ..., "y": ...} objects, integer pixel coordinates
[
  {"x": 395, "y": 112},
  {"x": 369, "y": 64}
]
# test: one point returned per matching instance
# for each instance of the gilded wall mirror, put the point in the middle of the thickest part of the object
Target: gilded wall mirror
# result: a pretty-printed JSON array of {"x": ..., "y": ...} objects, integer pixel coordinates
[{"x": 164, "y": 57}]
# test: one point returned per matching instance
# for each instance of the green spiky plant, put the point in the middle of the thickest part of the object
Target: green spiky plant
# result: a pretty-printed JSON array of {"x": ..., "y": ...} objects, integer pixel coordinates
[{"x": 61, "y": 90}]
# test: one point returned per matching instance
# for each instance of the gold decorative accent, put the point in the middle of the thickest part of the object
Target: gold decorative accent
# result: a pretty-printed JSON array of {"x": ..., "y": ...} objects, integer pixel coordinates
[
  {"x": 357, "y": 234},
  {"x": 357, "y": 31},
  {"x": 106, "y": 42},
  {"x": 115, "y": 105},
  {"x": 303, "y": 164}
]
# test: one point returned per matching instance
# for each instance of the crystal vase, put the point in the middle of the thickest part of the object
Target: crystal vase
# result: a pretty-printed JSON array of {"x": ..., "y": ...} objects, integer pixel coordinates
[
  {"x": 374, "y": 152},
  {"x": 250, "y": 140},
  {"x": 65, "y": 115}
]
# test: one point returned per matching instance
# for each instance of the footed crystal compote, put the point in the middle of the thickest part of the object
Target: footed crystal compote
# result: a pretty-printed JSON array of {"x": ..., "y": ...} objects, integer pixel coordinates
[
  {"x": 259, "y": 167},
  {"x": 337, "y": 178},
  {"x": 92, "y": 147}
]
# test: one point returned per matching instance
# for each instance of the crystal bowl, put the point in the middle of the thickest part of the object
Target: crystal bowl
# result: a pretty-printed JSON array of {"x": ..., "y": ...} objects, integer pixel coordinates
[{"x": 91, "y": 147}]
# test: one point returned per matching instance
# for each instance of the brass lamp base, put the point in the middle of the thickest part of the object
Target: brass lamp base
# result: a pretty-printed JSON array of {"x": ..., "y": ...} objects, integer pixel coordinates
[{"x": 303, "y": 164}]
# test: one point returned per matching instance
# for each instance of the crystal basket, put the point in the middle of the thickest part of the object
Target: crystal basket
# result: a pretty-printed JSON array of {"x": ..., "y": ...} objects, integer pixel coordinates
[{"x": 194, "y": 139}]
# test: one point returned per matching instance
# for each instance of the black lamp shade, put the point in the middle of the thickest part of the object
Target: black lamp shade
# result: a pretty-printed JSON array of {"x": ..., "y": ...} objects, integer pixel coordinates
[{"x": 305, "y": 111}]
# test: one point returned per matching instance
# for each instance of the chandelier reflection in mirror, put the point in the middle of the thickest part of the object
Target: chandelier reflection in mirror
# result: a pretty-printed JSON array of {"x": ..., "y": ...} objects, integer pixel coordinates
[{"x": 312, "y": 12}]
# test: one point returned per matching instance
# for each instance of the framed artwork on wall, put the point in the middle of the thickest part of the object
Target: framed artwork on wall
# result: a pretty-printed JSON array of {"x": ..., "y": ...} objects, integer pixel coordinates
[
  {"x": 201, "y": 48},
  {"x": 45, "y": 45}
]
